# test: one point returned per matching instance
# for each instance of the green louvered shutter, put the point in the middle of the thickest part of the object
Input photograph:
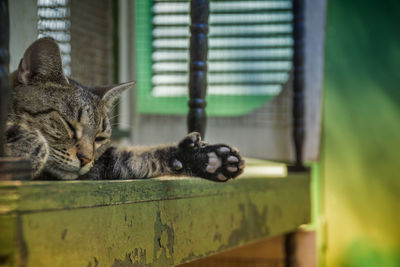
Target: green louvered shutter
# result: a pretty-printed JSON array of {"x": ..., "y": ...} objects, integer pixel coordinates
[{"x": 249, "y": 57}]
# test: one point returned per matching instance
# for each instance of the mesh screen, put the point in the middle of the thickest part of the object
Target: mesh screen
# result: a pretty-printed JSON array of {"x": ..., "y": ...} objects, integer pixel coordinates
[
  {"x": 83, "y": 30},
  {"x": 91, "y": 41},
  {"x": 275, "y": 114},
  {"x": 54, "y": 21}
]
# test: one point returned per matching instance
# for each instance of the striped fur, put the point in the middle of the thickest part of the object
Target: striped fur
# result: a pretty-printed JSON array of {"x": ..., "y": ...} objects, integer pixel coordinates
[{"x": 64, "y": 128}]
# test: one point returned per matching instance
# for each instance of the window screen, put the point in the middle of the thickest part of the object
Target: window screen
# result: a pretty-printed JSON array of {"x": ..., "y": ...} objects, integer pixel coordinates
[
  {"x": 249, "y": 57},
  {"x": 54, "y": 21},
  {"x": 83, "y": 30}
]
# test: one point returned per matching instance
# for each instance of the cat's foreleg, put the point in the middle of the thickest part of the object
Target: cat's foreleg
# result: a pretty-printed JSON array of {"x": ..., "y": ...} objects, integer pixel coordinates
[
  {"x": 25, "y": 143},
  {"x": 190, "y": 157}
]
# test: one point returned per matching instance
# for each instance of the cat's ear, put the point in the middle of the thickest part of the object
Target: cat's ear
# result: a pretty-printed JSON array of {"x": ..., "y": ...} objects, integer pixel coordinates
[
  {"x": 42, "y": 63},
  {"x": 109, "y": 94}
]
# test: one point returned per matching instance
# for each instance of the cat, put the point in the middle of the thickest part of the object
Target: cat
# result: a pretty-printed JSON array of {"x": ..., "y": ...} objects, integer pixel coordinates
[{"x": 64, "y": 129}]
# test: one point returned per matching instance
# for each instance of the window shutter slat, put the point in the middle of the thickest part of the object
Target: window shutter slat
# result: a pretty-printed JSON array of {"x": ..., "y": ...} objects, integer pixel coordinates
[
  {"x": 217, "y": 19},
  {"x": 221, "y": 66},
  {"x": 250, "y": 47}
]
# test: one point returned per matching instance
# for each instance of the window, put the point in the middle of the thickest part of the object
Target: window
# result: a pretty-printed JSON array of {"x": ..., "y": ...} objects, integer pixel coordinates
[
  {"x": 259, "y": 122},
  {"x": 249, "y": 56}
]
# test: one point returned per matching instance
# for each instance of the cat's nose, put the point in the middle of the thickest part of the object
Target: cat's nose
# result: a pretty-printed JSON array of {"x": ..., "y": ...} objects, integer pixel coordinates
[{"x": 83, "y": 159}]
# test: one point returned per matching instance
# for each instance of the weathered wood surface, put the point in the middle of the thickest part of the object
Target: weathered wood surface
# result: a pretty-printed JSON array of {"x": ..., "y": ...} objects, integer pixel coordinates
[
  {"x": 159, "y": 222},
  {"x": 15, "y": 169}
]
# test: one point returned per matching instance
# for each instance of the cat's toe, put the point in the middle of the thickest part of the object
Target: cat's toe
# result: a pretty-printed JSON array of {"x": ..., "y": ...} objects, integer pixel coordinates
[
  {"x": 221, "y": 177},
  {"x": 232, "y": 159},
  {"x": 232, "y": 169},
  {"x": 191, "y": 142},
  {"x": 177, "y": 165},
  {"x": 235, "y": 168},
  {"x": 223, "y": 150},
  {"x": 234, "y": 164}
]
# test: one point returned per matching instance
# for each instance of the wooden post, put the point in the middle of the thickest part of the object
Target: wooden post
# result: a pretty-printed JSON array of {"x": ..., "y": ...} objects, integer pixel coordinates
[
  {"x": 290, "y": 250},
  {"x": 298, "y": 81},
  {"x": 298, "y": 112},
  {"x": 4, "y": 62},
  {"x": 196, "y": 120}
]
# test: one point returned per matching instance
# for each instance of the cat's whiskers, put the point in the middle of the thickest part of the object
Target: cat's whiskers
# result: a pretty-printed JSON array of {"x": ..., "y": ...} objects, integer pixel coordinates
[
  {"x": 113, "y": 117},
  {"x": 112, "y": 108},
  {"x": 121, "y": 124},
  {"x": 130, "y": 127}
]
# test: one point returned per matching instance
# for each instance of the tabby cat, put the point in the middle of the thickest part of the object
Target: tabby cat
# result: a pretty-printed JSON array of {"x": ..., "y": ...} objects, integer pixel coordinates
[{"x": 64, "y": 129}]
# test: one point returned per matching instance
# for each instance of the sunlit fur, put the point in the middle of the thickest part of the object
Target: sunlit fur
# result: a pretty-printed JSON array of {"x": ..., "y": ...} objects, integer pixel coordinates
[{"x": 64, "y": 129}]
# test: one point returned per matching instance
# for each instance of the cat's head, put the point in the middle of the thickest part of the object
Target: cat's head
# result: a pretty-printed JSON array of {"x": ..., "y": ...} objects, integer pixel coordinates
[{"x": 73, "y": 119}]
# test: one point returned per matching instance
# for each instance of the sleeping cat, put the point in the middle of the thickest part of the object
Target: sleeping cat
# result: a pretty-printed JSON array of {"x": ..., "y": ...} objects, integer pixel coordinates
[{"x": 64, "y": 129}]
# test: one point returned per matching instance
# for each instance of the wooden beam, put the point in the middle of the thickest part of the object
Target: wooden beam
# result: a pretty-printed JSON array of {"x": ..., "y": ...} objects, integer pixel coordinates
[{"x": 161, "y": 222}]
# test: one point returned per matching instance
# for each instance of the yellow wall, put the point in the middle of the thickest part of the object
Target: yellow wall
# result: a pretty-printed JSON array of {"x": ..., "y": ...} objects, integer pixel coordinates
[{"x": 360, "y": 164}]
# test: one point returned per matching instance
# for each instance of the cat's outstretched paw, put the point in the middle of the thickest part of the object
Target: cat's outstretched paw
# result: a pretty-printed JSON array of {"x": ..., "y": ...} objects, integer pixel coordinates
[{"x": 218, "y": 162}]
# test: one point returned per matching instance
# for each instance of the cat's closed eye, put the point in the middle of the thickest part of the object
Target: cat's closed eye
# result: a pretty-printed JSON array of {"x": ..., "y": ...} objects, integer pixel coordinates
[
  {"x": 100, "y": 139},
  {"x": 72, "y": 129}
]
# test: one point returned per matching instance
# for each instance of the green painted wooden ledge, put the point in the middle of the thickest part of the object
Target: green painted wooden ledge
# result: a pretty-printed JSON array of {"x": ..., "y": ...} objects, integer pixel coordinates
[{"x": 157, "y": 222}]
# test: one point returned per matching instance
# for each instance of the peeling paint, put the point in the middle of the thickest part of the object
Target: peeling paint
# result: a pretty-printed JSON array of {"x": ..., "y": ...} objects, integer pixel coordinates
[
  {"x": 163, "y": 241},
  {"x": 96, "y": 263},
  {"x": 63, "y": 234},
  {"x": 23, "y": 253},
  {"x": 217, "y": 236},
  {"x": 252, "y": 225},
  {"x": 250, "y": 219},
  {"x": 137, "y": 258}
]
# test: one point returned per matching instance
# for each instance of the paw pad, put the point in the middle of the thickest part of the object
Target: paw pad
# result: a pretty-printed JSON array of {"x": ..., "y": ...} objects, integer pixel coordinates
[
  {"x": 233, "y": 159},
  {"x": 223, "y": 150},
  {"x": 221, "y": 177},
  {"x": 232, "y": 169},
  {"x": 223, "y": 162},
  {"x": 213, "y": 162},
  {"x": 177, "y": 165}
]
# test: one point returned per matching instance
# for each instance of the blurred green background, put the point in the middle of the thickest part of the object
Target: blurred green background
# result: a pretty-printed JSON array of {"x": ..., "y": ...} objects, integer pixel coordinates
[{"x": 358, "y": 174}]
